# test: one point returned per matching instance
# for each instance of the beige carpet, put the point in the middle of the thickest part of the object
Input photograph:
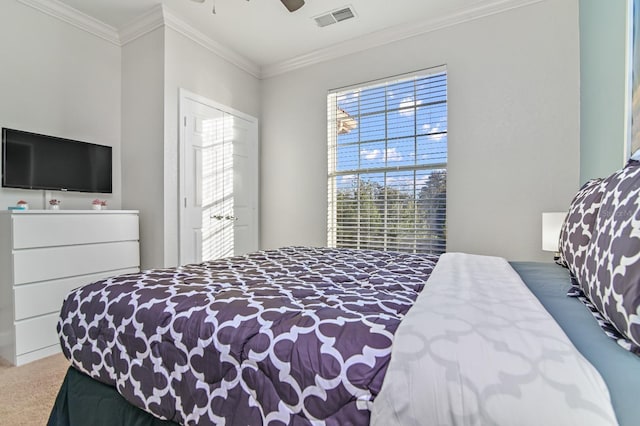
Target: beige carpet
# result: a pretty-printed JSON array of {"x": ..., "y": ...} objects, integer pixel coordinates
[{"x": 27, "y": 392}]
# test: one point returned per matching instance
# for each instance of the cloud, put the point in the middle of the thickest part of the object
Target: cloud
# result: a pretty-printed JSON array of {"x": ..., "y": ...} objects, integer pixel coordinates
[
  {"x": 406, "y": 182},
  {"x": 409, "y": 103},
  {"x": 372, "y": 154},
  {"x": 402, "y": 183},
  {"x": 348, "y": 97},
  {"x": 390, "y": 155},
  {"x": 421, "y": 180},
  {"x": 433, "y": 129},
  {"x": 346, "y": 181},
  {"x": 394, "y": 155}
]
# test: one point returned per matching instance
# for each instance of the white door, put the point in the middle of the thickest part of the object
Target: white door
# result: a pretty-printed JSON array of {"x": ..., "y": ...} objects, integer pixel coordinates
[
  {"x": 245, "y": 175},
  {"x": 219, "y": 181}
]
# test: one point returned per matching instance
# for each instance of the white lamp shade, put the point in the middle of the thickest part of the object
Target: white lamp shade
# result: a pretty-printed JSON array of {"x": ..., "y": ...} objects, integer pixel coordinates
[{"x": 551, "y": 225}]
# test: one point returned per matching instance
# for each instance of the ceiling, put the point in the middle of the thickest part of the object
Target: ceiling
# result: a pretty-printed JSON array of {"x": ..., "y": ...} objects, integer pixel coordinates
[{"x": 265, "y": 33}]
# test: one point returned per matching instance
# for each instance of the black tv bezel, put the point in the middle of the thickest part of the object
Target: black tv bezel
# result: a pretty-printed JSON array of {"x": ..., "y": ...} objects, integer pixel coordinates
[{"x": 56, "y": 139}]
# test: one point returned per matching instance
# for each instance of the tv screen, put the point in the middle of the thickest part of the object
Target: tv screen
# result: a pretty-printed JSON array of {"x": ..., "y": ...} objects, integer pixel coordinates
[{"x": 33, "y": 161}]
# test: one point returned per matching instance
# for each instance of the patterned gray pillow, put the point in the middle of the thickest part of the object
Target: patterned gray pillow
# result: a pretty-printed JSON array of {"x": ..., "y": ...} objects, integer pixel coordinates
[
  {"x": 610, "y": 276},
  {"x": 577, "y": 229}
]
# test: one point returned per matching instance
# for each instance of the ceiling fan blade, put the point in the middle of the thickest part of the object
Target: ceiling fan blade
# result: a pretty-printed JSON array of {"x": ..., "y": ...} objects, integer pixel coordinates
[{"x": 293, "y": 5}]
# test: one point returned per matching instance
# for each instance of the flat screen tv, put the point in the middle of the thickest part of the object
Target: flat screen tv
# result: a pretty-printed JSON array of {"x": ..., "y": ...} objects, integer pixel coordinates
[{"x": 33, "y": 161}]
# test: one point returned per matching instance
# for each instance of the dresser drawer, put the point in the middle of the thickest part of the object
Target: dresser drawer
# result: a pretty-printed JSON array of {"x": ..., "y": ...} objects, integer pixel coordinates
[
  {"x": 44, "y": 255},
  {"x": 47, "y": 296},
  {"x": 36, "y": 333},
  {"x": 60, "y": 229},
  {"x": 52, "y": 263}
]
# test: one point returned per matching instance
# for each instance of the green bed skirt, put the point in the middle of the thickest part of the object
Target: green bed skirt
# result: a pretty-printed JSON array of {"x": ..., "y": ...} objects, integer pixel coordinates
[{"x": 83, "y": 401}]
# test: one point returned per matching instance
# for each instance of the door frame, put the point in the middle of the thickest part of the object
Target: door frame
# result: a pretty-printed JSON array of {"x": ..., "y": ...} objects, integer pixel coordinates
[{"x": 186, "y": 96}]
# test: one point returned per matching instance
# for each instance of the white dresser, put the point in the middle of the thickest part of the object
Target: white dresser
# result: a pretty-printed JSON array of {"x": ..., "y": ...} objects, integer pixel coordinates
[{"x": 43, "y": 255}]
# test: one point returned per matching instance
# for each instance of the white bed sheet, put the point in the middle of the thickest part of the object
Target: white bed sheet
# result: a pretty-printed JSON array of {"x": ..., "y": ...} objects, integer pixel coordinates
[{"x": 478, "y": 348}]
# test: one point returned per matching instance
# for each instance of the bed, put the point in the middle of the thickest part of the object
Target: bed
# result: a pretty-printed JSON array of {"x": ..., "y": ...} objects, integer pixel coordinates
[{"x": 304, "y": 335}]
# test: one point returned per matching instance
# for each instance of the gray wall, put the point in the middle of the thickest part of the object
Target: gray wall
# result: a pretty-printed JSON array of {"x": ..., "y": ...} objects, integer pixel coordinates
[
  {"x": 58, "y": 80},
  {"x": 602, "y": 90},
  {"x": 516, "y": 146},
  {"x": 513, "y": 129},
  {"x": 143, "y": 140}
]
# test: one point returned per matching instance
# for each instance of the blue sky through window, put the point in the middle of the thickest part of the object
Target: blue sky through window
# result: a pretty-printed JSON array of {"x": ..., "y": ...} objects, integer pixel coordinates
[{"x": 399, "y": 124}]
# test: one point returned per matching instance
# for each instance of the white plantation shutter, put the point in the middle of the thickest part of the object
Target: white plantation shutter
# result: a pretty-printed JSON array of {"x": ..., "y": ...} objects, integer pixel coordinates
[{"x": 388, "y": 164}]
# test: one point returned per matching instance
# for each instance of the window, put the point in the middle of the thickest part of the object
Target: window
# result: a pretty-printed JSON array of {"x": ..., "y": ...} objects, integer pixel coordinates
[{"x": 388, "y": 164}]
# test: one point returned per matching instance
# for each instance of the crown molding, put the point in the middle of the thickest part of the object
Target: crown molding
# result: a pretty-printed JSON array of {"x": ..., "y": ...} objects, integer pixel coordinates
[
  {"x": 142, "y": 25},
  {"x": 161, "y": 16},
  {"x": 76, "y": 18},
  {"x": 156, "y": 17},
  {"x": 172, "y": 21},
  {"x": 391, "y": 35}
]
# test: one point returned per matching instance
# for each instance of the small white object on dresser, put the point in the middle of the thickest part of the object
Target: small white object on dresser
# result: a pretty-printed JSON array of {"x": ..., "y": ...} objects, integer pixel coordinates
[{"x": 46, "y": 253}]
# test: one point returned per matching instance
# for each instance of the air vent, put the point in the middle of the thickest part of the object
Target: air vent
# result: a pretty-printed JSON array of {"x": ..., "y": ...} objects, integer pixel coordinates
[
  {"x": 335, "y": 16},
  {"x": 343, "y": 14},
  {"x": 325, "y": 20}
]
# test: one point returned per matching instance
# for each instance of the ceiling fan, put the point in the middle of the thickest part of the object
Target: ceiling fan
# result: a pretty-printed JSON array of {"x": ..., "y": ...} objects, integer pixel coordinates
[{"x": 291, "y": 5}]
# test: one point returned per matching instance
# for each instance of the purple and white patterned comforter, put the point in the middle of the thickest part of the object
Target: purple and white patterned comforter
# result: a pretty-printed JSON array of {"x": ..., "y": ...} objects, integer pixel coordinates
[{"x": 291, "y": 336}]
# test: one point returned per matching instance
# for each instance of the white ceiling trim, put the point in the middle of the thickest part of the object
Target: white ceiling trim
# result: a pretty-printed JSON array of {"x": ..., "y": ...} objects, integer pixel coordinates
[
  {"x": 142, "y": 25},
  {"x": 160, "y": 16},
  {"x": 76, "y": 18},
  {"x": 391, "y": 35},
  {"x": 177, "y": 24},
  {"x": 155, "y": 18}
]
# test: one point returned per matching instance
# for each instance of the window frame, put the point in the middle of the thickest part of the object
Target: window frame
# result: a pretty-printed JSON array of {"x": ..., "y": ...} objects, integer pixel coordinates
[{"x": 333, "y": 146}]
